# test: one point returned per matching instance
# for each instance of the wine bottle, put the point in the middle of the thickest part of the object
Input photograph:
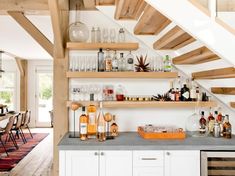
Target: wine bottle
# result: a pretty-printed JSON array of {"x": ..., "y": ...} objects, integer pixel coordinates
[
  {"x": 101, "y": 132},
  {"x": 100, "y": 60},
  {"x": 83, "y": 124},
  {"x": 91, "y": 112}
]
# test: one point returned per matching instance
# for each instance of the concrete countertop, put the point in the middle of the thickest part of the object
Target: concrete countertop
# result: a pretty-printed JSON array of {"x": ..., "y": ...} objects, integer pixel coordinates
[{"x": 132, "y": 141}]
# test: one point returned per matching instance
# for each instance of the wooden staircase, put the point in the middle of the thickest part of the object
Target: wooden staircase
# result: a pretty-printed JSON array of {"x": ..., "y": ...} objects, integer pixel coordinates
[{"x": 152, "y": 22}]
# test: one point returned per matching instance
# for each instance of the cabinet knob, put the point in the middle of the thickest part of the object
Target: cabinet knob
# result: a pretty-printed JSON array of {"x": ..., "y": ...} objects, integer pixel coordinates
[
  {"x": 102, "y": 153},
  {"x": 96, "y": 153},
  {"x": 168, "y": 153}
]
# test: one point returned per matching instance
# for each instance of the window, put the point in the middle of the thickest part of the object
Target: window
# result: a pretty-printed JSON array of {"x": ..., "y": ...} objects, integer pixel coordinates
[{"x": 8, "y": 89}]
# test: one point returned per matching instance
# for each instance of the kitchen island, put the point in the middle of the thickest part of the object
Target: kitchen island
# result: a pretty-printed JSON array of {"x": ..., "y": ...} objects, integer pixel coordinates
[{"x": 130, "y": 155}]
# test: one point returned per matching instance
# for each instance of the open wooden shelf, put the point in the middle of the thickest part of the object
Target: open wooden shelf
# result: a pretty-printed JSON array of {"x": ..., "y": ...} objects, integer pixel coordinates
[
  {"x": 221, "y": 73},
  {"x": 136, "y": 75},
  {"x": 223, "y": 90},
  {"x": 174, "y": 39},
  {"x": 197, "y": 56},
  {"x": 232, "y": 104},
  {"x": 148, "y": 104},
  {"x": 96, "y": 46},
  {"x": 152, "y": 22}
]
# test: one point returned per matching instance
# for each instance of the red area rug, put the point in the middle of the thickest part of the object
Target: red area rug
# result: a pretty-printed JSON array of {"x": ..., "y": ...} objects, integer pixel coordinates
[{"x": 9, "y": 162}]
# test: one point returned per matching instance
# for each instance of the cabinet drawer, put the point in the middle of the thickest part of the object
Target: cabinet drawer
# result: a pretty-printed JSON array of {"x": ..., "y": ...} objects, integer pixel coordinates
[
  {"x": 148, "y": 158},
  {"x": 148, "y": 171}
]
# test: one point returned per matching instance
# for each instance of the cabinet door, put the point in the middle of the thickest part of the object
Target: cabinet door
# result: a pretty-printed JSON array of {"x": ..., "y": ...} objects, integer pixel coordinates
[
  {"x": 115, "y": 163},
  {"x": 148, "y": 171},
  {"x": 183, "y": 163},
  {"x": 82, "y": 163}
]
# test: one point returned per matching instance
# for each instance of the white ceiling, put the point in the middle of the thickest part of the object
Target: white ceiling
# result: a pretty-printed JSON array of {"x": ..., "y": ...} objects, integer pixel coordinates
[{"x": 14, "y": 39}]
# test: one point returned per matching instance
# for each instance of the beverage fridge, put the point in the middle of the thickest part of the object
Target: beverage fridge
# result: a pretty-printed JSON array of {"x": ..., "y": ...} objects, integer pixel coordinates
[{"x": 217, "y": 163}]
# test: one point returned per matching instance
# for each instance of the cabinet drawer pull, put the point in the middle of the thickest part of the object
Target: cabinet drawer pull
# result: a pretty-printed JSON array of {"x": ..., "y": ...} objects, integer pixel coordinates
[
  {"x": 149, "y": 158},
  {"x": 168, "y": 153},
  {"x": 96, "y": 153},
  {"x": 102, "y": 153}
]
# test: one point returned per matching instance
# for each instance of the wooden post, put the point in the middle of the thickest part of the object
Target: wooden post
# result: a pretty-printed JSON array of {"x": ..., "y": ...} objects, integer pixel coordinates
[
  {"x": 22, "y": 65},
  {"x": 60, "y": 109}
]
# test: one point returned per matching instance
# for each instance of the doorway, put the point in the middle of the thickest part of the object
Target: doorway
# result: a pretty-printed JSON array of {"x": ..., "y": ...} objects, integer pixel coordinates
[{"x": 44, "y": 97}]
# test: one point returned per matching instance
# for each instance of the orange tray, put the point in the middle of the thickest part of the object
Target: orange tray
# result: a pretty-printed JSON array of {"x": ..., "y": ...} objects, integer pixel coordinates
[{"x": 152, "y": 135}]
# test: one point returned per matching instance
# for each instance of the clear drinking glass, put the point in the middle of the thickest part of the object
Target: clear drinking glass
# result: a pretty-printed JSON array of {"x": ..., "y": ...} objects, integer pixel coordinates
[
  {"x": 88, "y": 63},
  {"x": 160, "y": 64},
  {"x": 105, "y": 35},
  {"x": 76, "y": 64},
  {"x": 112, "y": 35},
  {"x": 82, "y": 67},
  {"x": 94, "y": 63}
]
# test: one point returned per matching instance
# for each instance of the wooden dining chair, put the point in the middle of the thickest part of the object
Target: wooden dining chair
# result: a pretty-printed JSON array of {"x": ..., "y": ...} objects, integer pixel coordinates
[
  {"x": 27, "y": 122},
  {"x": 17, "y": 128},
  {"x": 7, "y": 131}
]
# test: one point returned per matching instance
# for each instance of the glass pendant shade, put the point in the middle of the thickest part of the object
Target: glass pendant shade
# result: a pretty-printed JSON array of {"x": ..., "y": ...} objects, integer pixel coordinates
[
  {"x": 78, "y": 32},
  {"x": 193, "y": 125}
]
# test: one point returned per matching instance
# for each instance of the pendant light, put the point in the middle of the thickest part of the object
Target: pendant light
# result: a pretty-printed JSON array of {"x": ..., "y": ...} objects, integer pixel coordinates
[{"x": 1, "y": 70}]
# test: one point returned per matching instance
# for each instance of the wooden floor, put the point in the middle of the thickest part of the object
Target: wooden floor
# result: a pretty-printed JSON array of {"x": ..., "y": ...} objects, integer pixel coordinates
[{"x": 39, "y": 161}]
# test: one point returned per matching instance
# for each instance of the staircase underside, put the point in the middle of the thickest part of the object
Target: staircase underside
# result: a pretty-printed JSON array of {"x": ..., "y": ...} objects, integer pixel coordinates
[{"x": 163, "y": 35}]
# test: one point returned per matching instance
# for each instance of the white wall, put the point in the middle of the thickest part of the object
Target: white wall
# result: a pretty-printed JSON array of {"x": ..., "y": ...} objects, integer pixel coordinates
[
  {"x": 129, "y": 119},
  {"x": 32, "y": 65},
  {"x": 9, "y": 65}
]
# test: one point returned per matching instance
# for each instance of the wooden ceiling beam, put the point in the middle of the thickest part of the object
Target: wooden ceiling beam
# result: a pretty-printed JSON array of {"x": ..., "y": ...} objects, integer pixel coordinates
[
  {"x": 129, "y": 9},
  {"x": 35, "y": 6},
  {"x": 223, "y": 90},
  {"x": 197, "y": 56},
  {"x": 32, "y": 30},
  {"x": 104, "y": 2},
  {"x": 151, "y": 22},
  {"x": 226, "y": 5},
  {"x": 59, "y": 20},
  {"x": 174, "y": 39},
  {"x": 232, "y": 104},
  {"x": 221, "y": 73}
]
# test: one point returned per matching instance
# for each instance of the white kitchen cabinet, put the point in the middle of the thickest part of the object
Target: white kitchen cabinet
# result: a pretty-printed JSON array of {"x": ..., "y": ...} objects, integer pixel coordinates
[
  {"x": 95, "y": 163},
  {"x": 81, "y": 163},
  {"x": 182, "y": 163},
  {"x": 116, "y": 163}
]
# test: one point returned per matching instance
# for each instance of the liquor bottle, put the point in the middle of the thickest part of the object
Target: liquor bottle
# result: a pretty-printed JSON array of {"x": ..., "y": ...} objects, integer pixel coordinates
[
  {"x": 115, "y": 62},
  {"x": 101, "y": 132},
  {"x": 202, "y": 122},
  {"x": 171, "y": 92},
  {"x": 177, "y": 95},
  {"x": 167, "y": 64},
  {"x": 227, "y": 128},
  {"x": 91, "y": 112},
  {"x": 130, "y": 62},
  {"x": 211, "y": 122},
  {"x": 219, "y": 117},
  {"x": 193, "y": 94},
  {"x": 198, "y": 95},
  {"x": 83, "y": 124},
  {"x": 114, "y": 127},
  {"x": 108, "y": 62},
  {"x": 121, "y": 63},
  {"x": 185, "y": 95},
  {"x": 100, "y": 61}
]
